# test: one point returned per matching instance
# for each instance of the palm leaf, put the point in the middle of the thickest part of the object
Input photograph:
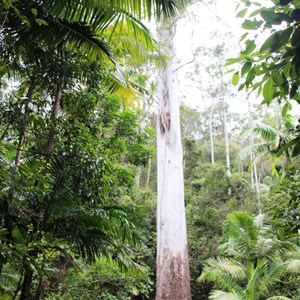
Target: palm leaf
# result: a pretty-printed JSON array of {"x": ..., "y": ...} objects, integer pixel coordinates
[
  {"x": 272, "y": 273},
  {"x": 224, "y": 272},
  {"x": 220, "y": 295},
  {"x": 292, "y": 265},
  {"x": 139, "y": 8}
]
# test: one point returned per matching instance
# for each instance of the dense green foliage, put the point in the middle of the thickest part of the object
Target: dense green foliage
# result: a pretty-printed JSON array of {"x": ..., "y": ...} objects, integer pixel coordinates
[
  {"x": 252, "y": 261},
  {"x": 271, "y": 68}
]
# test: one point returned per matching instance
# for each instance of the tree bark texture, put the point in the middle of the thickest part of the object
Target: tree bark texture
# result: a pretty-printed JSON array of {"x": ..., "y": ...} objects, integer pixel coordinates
[{"x": 173, "y": 277}]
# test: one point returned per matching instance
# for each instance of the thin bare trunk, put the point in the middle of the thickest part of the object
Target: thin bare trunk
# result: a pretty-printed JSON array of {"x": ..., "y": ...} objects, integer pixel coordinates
[
  {"x": 138, "y": 172},
  {"x": 24, "y": 124},
  {"x": 54, "y": 115},
  {"x": 257, "y": 188},
  {"x": 148, "y": 174},
  {"x": 212, "y": 150},
  {"x": 226, "y": 145}
]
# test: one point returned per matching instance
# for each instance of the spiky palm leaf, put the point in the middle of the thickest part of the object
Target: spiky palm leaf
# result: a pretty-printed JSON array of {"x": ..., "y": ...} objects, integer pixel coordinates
[
  {"x": 220, "y": 295},
  {"x": 224, "y": 272}
]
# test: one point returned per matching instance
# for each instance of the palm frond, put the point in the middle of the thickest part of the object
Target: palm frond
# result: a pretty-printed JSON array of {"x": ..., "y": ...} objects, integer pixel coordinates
[
  {"x": 247, "y": 151},
  {"x": 124, "y": 90},
  {"x": 139, "y": 8},
  {"x": 220, "y": 295},
  {"x": 75, "y": 35},
  {"x": 224, "y": 272},
  {"x": 272, "y": 274},
  {"x": 292, "y": 265},
  {"x": 265, "y": 131}
]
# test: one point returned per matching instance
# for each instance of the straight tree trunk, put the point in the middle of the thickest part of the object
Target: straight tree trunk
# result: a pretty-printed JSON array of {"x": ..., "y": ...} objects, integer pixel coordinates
[
  {"x": 212, "y": 150},
  {"x": 226, "y": 142},
  {"x": 138, "y": 172},
  {"x": 147, "y": 182},
  {"x": 24, "y": 124},
  {"x": 25, "y": 290},
  {"x": 56, "y": 108},
  {"x": 173, "y": 277}
]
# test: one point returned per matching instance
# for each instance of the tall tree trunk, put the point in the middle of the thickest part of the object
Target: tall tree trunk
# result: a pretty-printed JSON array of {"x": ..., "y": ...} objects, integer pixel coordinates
[
  {"x": 24, "y": 124},
  {"x": 173, "y": 277},
  {"x": 226, "y": 143},
  {"x": 54, "y": 115},
  {"x": 138, "y": 172},
  {"x": 212, "y": 150},
  {"x": 256, "y": 179},
  {"x": 25, "y": 290},
  {"x": 55, "y": 108},
  {"x": 147, "y": 182}
]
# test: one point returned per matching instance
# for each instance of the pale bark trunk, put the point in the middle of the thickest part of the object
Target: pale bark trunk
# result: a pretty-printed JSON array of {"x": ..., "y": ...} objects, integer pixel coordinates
[
  {"x": 148, "y": 174},
  {"x": 173, "y": 277},
  {"x": 54, "y": 116},
  {"x": 138, "y": 172},
  {"x": 226, "y": 143},
  {"x": 212, "y": 150},
  {"x": 257, "y": 188}
]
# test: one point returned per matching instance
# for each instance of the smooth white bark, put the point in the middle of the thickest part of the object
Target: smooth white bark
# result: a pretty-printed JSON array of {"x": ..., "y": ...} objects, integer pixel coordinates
[{"x": 173, "y": 279}]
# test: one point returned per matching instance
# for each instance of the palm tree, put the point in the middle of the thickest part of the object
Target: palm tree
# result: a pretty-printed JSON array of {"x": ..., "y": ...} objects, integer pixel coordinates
[
  {"x": 271, "y": 138},
  {"x": 252, "y": 260}
]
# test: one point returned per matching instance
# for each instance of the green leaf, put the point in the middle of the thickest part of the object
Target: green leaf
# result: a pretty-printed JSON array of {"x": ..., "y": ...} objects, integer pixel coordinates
[
  {"x": 243, "y": 36},
  {"x": 287, "y": 146},
  {"x": 246, "y": 67},
  {"x": 235, "y": 79},
  {"x": 34, "y": 11},
  {"x": 256, "y": 12},
  {"x": 242, "y": 13},
  {"x": 268, "y": 90},
  {"x": 251, "y": 24},
  {"x": 286, "y": 107},
  {"x": 277, "y": 40},
  {"x": 293, "y": 90},
  {"x": 41, "y": 22},
  {"x": 296, "y": 37},
  {"x": 271, "y": 17},
  {"x": 250, "y": 46},
  {"x": 241, "y": 87},
  {"x": 250, "y": 76},
  {"x": 296, "y": 150},
  {"x": 231, "y": 61}
]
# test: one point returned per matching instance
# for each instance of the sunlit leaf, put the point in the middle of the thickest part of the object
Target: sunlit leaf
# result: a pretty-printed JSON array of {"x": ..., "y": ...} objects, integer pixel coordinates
[
  {"x": 277, "y": 40},
  {"x": 235, "y": 79},
  {"x": 268, "y": 90}
]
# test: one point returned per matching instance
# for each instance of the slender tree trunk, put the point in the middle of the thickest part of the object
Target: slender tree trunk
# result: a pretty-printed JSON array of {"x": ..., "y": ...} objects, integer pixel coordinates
[
  {"x": 40, "y": 288},
  {"x": 212, "y": 150},
  {"x": 148, "y": 174},
  {"x": 54, "y": 115},
  {"x": 226, "y": 144},
  {"x": 24, "y": 124},
  {"x": 138, "y": 172},
  {"x": 55, "y": 109},
  {"x": 25, "y": 290},
  {"x": 173, "y": 277}
]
